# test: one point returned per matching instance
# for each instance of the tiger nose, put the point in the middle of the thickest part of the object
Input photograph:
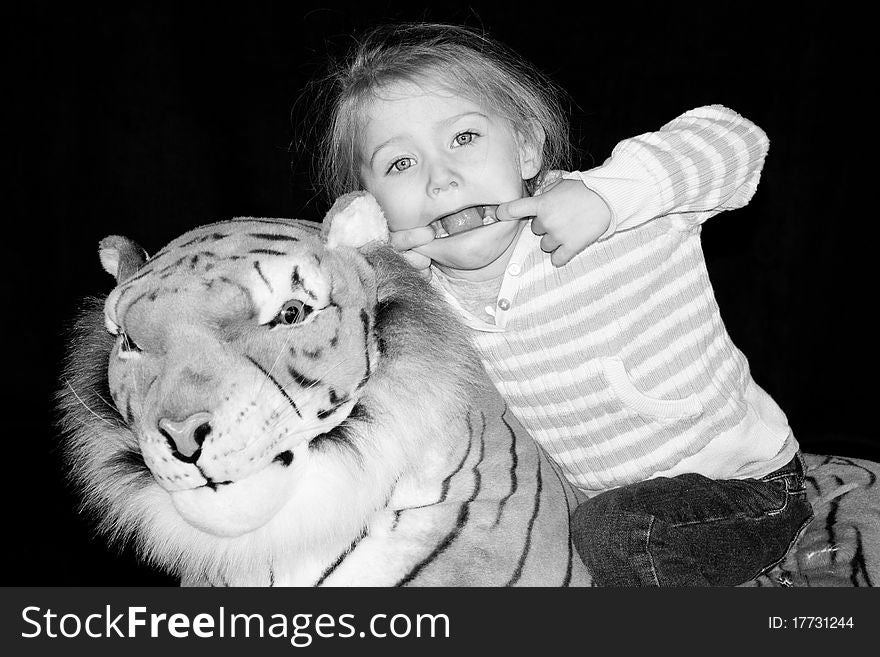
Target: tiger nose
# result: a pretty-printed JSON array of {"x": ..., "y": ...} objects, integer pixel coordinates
[{"x": 186, "y": 436}]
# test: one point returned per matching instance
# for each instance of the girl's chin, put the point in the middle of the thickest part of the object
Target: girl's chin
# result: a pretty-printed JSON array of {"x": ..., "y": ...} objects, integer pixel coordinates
[{"x": 474, "y": 249}]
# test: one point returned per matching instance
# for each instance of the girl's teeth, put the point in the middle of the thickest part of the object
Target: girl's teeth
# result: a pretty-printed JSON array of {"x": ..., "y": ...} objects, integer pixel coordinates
[{"x": 464, "y": 220}]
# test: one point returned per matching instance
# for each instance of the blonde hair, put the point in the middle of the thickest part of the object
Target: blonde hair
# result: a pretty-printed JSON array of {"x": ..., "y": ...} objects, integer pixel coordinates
[{"x": 462, "y": 60}]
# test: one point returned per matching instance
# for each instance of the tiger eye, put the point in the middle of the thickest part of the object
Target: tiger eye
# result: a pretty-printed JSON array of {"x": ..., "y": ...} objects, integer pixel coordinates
[{"x": 291, "y": 312}]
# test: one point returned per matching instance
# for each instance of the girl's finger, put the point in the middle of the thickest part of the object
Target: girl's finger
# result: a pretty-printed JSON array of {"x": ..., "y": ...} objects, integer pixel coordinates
[
  {"x": 518, "y": 209},
  {"x": 549, "y": 243},
  {"x": 417, "y": 260},
  {"x": 538, "y": 226},
  {"x": 562, "y": 256},
  {"x": 404, "y": 240}
]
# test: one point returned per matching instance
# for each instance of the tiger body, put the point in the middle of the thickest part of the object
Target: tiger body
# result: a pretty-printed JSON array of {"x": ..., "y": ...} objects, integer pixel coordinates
[
  {"x": 841, "y": 546},
  {"x": 285, "y": 413}
]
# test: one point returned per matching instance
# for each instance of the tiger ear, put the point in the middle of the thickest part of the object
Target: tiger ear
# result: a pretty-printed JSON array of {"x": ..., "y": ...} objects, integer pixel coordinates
[
  {"x": 120, "y": 256},
  {"x": 355, "y": 220}
]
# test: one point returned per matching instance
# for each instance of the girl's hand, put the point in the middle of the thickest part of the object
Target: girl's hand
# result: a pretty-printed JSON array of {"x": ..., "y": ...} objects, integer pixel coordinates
[
  {"x": 569, "y": 215},
  {"x": 404, "y": 241}
]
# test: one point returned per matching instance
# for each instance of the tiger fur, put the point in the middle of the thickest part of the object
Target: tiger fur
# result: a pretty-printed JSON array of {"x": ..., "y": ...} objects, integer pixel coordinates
[
  {"x": 285, "y": 413},
  {"x": 841, "y": 546}
]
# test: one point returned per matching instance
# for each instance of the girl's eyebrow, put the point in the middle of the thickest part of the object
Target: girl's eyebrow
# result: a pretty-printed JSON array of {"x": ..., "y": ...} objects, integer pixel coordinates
[
  {"x": 439, "y": 124},
  {"x": 383, "y": 145},
  {"x": 456, "y": 117}
]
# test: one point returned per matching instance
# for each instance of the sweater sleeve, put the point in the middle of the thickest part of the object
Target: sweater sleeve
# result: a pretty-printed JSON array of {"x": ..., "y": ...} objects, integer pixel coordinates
[{"x": 703, "y": 162}]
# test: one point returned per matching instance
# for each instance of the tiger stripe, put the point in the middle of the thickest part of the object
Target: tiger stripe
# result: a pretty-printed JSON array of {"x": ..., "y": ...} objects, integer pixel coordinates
[
  {"x": 517, "y": 573},
  {"x": 275, "y": 382},
  {"x": 841, "y": 546}
]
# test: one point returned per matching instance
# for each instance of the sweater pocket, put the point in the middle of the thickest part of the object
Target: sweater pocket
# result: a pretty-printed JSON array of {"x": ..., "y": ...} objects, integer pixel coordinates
[{"x": 663, "y": 410}]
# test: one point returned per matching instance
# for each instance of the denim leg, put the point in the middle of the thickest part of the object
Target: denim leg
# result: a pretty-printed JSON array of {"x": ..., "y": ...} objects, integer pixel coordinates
[{"x": 691, "y": 530}]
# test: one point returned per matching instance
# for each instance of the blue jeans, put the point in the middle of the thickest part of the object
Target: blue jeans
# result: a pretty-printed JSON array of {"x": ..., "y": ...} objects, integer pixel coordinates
[{"x": 690, "y": 530}]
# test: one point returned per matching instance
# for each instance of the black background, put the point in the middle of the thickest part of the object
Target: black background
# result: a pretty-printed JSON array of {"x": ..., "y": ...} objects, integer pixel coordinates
[{"x": 149, "y": 120}]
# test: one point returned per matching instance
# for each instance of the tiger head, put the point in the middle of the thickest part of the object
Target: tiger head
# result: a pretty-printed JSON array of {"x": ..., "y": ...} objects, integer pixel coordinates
[{"x": 247, "y": 363}]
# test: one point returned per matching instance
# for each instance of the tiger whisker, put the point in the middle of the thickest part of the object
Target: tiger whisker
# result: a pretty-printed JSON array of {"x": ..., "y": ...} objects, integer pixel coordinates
[
  {"x": 86, "y": 406},
  {"x": 285, "y": 409},
  {"x": 317, "y": 381},
  {"x": 107, "y": 403},
  {"x": 277, "y": 358},
  {"x": 286, "y": 388},
  {"x": 284, "y": 413}
]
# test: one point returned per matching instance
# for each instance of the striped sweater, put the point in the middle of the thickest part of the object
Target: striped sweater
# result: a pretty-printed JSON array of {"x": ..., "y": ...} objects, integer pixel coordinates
[{"x": 618, "y": 363}]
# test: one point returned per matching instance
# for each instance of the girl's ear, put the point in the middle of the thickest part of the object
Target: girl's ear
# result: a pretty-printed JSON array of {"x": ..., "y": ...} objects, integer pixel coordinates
[{"x": 531, "y": 149}]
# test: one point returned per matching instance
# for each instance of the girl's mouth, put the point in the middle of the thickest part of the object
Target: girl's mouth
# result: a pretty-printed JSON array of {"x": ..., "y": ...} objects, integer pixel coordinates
[{"x": 464, "y": 220}]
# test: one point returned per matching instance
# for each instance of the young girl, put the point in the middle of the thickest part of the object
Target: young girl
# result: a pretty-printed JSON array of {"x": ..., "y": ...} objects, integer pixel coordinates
[{"x": 587, "y": 293}]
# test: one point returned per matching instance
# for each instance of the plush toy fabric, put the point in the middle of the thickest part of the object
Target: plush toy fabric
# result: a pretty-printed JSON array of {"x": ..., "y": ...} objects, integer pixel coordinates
[
  {"x": 294, "y": 405},
  {"x": 264, "y": 403},
  {"x": 841, "y": 546}
]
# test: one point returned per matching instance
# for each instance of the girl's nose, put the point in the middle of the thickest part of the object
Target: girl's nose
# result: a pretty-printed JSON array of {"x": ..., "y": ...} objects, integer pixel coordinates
[
  {"x": 442, "y": 179},
  {"x": 436, "y": 188}
]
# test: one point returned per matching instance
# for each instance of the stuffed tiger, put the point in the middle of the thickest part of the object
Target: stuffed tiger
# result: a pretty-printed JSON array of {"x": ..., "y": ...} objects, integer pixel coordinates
[
  {"x": 841, "y": 546},
  {"x": 287, "y": 409}
]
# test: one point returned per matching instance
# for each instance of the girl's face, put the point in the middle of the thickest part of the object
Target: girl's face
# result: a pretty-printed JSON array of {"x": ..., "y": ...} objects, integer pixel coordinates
[{"x": 427, "y": 155}]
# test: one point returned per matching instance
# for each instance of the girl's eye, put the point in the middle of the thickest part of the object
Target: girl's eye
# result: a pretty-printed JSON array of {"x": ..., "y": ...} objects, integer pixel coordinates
[
  {"x": 465, "y": 138},
  {"x": 292, "y": 312},
  {"x": 402, "y": 164}
]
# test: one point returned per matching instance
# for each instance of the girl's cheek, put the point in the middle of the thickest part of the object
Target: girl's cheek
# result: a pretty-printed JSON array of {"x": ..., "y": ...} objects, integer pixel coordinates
[{"x": 398, "y": 217}]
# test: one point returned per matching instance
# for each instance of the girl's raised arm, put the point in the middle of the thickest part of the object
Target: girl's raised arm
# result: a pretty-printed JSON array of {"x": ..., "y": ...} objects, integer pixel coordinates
[{"x": 704, "y": 162}]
